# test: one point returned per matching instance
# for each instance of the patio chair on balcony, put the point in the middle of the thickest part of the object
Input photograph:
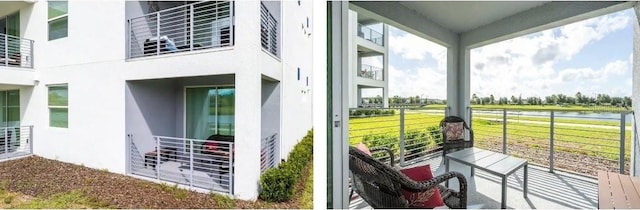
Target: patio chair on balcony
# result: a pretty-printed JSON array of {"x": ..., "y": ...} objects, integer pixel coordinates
[
  {"x": 453, "y": 138},
  {"x": 381, "y": 185}
]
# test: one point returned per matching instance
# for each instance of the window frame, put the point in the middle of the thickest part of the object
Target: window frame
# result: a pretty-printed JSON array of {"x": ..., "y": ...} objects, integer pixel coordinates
[
  {"x": 57, "y": 18},
  {"x": 50, "y": 107}
]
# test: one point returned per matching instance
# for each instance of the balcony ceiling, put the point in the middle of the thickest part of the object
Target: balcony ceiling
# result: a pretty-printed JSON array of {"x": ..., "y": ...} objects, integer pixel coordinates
[
  {"x": 9, "y": 7},
  {"x": 463, "y": 16}
]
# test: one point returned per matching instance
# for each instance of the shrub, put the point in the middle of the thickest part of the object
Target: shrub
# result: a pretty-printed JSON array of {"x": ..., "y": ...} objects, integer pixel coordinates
[
  {"x": 435, "y": 133},
  {"x": 386, "y": 140},
  {"x": 416, "y": 142},
  {"x": 278, "y": 184}
]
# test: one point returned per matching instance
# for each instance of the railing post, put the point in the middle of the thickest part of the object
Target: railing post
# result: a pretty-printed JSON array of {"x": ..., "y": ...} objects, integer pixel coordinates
[
  {"x": 231, "y": 168},
  {"x": 470, "y": 117},
  {"x": 551, "y": 141},
  {"x": 158, "y": 33},
  {"x": 157, "y": 158},
  {"x": 622, "y": 139},
  {"x": 31, "y": 54},
  {"x": 30, "y": 141},
  {"x": 504, "y": 131},
  {"x": 191, "y": 28},
  {"x": 6, "y": 140},
  {"x": 402, "y": 136},
  {"x": 231, "y": 23},
  {"x": 6, "y": 51},
  {"x": 191, "y": 162}
]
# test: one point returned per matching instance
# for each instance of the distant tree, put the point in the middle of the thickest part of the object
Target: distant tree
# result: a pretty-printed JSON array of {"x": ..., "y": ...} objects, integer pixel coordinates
[{"x": 492, "y": 100}]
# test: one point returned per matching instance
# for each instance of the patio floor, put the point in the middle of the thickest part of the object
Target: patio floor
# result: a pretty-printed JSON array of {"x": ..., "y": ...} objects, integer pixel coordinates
[
  {"x": 557, "y": 190},
  {"x": 177, "y": 172}
]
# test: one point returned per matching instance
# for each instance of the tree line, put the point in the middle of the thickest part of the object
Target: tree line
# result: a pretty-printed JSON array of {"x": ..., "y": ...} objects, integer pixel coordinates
[{"x": 555, "y": 99}]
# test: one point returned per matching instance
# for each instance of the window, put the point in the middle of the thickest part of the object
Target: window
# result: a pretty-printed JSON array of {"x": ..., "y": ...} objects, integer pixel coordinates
[
  {"x": 58, "y": 106},
  {"x": 298, "y": 73},
  {"x": 58, "y": 19}
]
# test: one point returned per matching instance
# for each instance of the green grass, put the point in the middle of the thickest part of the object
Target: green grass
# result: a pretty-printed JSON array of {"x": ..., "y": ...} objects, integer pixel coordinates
[
  {"x": 307, "y": 196},
  {"x": 551, "y": 107},
  {"x": 73, "y": 199},
  {"x": 223, "y": 201},
  {"x": 556, "y": 119},
  {"x": 600, "y": 142}
]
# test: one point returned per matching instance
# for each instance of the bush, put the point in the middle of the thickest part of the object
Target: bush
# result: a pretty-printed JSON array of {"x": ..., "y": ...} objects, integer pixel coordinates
[
  {"x": 386, "y": 140},
  {"x": 435, "y": 133},
  {"x": 278, "y": 184}
]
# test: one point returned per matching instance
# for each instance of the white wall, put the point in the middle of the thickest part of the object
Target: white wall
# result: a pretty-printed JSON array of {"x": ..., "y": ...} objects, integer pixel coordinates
[
  {"x": 296, "y": 53},
  {"x": 103, "y": 106},
  {"x": 270, "y": 110}
]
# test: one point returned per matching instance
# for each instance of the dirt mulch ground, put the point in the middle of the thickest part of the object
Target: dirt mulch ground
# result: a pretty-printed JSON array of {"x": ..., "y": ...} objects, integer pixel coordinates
[{"x": 40, "y": 177}]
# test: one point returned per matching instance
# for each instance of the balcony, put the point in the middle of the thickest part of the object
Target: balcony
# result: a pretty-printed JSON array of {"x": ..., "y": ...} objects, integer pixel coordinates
[
  {"x": 371, "y": 72},
  {"x": 268, "y": 31},
  {"x": 16, "y": 52},
  {"x": 15, "y": 141},
  {"x": 198, "y": 26},
  {"x": 370, "y": 34},
  {"x": 565, "y": 149}
]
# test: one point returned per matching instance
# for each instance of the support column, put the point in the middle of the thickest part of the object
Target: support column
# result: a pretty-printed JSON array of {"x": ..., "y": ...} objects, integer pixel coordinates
[
  {"x": 385, "y": 66},
  {"x": 359, "y": 98},
  {"x": 635, "y": 94},
  {"x": 248, "y": 104}
]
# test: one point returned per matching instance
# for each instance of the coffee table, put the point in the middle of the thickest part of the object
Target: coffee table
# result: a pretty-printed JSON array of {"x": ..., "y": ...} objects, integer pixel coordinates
[{"x": 492, "y": 162}]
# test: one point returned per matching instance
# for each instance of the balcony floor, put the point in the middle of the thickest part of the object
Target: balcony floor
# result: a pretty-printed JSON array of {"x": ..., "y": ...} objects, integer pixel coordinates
[{"x": 546, "y": 190}]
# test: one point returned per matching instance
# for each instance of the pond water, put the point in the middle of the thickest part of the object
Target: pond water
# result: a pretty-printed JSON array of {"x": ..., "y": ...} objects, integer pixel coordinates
[{"x": 613, "y": 116}]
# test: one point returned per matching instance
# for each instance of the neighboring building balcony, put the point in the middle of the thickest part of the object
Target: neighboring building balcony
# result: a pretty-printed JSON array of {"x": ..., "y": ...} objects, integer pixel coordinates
[
  {"x": 15, "y": 141},
  {"x": 370, "y": 34},
  {"x": 16, "y": 51},
  {"x": 191, "y": 27},
  {"x": 371, "y": 72},
  {"x": 268, "y": 31}
]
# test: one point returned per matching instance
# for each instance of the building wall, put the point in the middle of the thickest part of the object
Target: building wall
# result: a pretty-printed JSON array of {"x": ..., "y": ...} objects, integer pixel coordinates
[
  {"x": 107, "y": 99},
  {"x": 297, "y": 53}
]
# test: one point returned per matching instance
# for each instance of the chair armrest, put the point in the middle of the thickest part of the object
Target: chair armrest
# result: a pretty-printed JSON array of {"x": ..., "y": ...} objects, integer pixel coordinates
[
  {"x": 384, "y": 149},
  {"x": 431, "y": 183}
]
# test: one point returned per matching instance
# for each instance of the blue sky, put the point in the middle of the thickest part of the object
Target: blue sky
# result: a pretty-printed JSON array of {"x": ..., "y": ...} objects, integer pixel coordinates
[{"x": 591, "y": 56}]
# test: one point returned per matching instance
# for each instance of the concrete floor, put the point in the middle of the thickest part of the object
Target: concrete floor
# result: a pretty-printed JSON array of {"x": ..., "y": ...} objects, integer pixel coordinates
[{"x": 546, "y": 190}]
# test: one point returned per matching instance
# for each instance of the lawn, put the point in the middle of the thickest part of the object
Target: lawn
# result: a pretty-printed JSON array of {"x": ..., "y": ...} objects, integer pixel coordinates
[
  {"x": 598, "y": 142},
  {"x": 35, "y": 182}
]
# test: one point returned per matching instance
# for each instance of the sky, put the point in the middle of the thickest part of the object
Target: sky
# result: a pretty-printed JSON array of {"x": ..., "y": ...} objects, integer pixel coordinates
[{"x": 591, "y": 56}]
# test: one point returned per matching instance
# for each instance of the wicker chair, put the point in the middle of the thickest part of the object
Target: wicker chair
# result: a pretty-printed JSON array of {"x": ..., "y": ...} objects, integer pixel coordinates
[
  {"x": 455, "y": 144},
  {"x": 380, "y": 184}
]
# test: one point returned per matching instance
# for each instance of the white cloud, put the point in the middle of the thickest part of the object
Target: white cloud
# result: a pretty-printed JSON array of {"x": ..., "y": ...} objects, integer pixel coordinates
[
  {"x": 412, "y": 47},
  {"x": 526, "y": 65}
]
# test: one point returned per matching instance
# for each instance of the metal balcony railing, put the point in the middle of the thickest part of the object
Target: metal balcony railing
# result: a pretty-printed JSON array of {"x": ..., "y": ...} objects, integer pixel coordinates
[
  {"x": 197, "y": 26},
  {"x": 16, "y": 51},
  {"x": 371, "y": 72},
  {"x": 15, "y": 141},
  {"x": 370, "y": 34},
  {"x": 412, "y": 134},
  {"x": 268, "y": 154},
  {"x": 557, "y": 139},
  {"x": 268, "y": 31},
  {"x": 205, "y": 164}
]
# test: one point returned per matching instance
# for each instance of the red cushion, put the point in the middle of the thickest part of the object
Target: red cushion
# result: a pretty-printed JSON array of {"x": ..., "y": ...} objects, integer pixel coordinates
[
  {"x": 426, "y": 199},
  {"x": 363, "y": 148}
]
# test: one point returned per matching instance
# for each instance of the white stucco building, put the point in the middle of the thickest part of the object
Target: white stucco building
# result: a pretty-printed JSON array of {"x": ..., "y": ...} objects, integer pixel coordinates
[
  {"x": 368, "y": 57},
  {"x": 169, "y": 91}
]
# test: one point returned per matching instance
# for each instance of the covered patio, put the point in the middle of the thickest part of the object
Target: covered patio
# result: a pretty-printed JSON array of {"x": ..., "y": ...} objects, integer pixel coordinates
[{"x": 461, "y": 27}]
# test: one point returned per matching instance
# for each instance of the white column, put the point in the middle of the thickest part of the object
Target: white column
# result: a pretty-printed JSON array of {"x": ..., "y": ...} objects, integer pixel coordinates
[
  {"x": 385, "y": 66},
  {"x": 635, "y": 94},
  {"x": 455, "y": 59},
  {"x": 247, "y": 101}
]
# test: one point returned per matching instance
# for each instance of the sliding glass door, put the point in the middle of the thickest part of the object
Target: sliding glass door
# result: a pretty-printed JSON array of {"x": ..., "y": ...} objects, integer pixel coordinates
[
  {"x": 209, "y": 111},
  {"x": 9, "y": 108}
]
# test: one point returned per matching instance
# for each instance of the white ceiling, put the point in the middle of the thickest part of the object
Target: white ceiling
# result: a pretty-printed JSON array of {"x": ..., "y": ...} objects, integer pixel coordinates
[{"x": 463, "y": 16}]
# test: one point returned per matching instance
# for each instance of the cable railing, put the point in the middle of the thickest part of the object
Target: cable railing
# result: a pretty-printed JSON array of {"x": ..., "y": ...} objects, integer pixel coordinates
[
  {"x": 371, "y": 72},
  {"x": 582, "y": 142},
  {"x": 15, "y": 141},
  {"x": 370, "y": 34},
  {"x": 268, "y": 152},
  {"x": 16, "y": 51},
  {"x": 196, "y": 26},
  {"x": 268, "y": 31},
  {"x": 205, "y": 164},
  {"x": 412, "y": 134}
]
